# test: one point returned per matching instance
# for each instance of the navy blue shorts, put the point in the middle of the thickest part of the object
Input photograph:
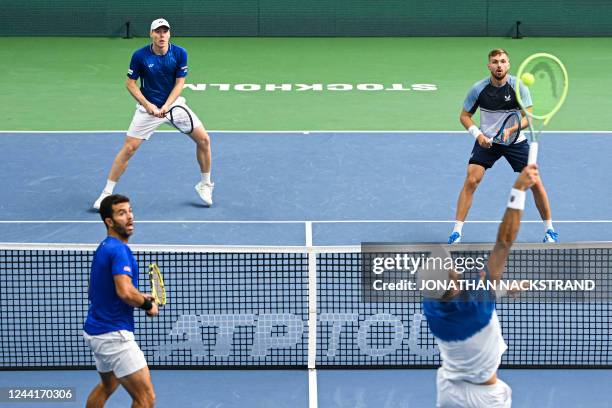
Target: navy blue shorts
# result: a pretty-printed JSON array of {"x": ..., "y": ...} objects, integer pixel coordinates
[{"x": 516, "y": 154}]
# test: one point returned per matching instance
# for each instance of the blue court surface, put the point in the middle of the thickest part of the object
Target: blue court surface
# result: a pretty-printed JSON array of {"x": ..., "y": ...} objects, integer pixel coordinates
[
  {"x": 353, "y": 187},
  {"x": 393, "y": 388},
  {"x": 296, "y": 189}
]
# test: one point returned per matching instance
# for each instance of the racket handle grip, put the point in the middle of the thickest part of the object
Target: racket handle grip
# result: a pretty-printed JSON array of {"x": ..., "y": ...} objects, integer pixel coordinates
[{"x": 533, "y": 153}]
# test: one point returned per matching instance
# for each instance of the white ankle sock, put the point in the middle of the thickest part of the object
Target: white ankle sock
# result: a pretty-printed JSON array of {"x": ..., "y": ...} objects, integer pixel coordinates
[
  {"x": 110, "y": 186},
  {"x": 548, "y": 225},
  {"x": 205, "y": 178},
  {"x": 458, "y": 227}
]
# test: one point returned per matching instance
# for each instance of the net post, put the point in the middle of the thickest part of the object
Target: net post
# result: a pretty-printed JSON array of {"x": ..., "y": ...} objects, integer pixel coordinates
[
  {"x": 517, "y": 35},
  {"x": 128, "y": 33}
]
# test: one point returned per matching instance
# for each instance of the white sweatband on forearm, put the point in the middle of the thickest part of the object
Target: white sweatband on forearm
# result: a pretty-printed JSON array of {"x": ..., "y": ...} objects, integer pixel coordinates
[
  {"x": 516, "y": 200},
  {"x": 474, "y": 131}
]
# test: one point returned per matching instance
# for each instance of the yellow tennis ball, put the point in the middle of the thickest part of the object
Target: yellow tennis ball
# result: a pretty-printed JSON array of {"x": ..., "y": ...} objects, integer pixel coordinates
[{"x": 528, "y": 79}]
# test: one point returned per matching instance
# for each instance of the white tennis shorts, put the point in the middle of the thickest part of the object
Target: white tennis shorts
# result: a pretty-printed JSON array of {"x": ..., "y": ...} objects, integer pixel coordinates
[
  {"x": 143, "y": 124},
  {"x": 117, "y": 352},
  {"x": 463, "y": 394}
]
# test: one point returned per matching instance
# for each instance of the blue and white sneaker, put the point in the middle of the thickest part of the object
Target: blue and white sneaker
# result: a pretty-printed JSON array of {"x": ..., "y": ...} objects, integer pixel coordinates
[
  {"x": 454, "y": 238},
  {"x": 551, "y": 236}
]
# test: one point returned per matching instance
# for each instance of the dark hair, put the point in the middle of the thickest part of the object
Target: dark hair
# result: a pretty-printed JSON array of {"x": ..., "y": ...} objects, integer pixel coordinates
[
  {"x": 498, "y": 51},
  {"x": 106, "y": 206}
]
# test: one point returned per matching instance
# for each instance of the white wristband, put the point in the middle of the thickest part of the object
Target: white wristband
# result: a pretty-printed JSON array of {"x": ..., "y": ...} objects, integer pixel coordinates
[
  {"x": 474, "y": 131},
  {"x": 516, "y": 200}
]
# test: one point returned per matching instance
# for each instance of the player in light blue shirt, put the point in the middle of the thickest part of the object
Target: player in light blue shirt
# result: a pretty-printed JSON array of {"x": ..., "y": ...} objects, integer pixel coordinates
[
  {"x": 162, "y": 69},
  {"x": 113, "y": 295},
  {"x": 465, "y": 323},
  {"x": 495, "y": 96}
]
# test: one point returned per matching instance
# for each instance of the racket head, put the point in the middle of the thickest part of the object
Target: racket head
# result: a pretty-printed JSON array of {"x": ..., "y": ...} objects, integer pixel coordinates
[
  {"x": 180, "y": 118},
  {"x": 549, "y": 90},
  {"x": 509, "y": 130},
  {"x": 158, "y": 289}
]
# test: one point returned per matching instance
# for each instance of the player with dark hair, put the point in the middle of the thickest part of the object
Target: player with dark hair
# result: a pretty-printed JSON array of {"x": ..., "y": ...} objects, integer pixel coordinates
[{"x": 113, "y": 295}]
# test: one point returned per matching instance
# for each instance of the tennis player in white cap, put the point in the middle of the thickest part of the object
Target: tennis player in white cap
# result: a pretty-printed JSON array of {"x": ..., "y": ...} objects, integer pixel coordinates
[{"x": 162, "y": 68}]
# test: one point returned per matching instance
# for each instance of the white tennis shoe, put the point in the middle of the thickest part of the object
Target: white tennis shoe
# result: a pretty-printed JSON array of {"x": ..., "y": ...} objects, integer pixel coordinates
[
  {"x": 104, "y": 194},
  {"x": 205, "y": 192}
]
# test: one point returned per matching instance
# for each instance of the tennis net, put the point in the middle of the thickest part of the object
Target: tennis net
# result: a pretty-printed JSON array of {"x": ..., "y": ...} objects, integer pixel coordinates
[{"x": 249, "y": 307}]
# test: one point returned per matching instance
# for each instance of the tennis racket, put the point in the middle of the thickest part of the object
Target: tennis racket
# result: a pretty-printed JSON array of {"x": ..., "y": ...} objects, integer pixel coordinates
[
  {"x": 180, "y": 118},
  {"x": 548, "y": 92},
  {"x": 509, "y": 130},
  {"x": 158, "y": 290}
]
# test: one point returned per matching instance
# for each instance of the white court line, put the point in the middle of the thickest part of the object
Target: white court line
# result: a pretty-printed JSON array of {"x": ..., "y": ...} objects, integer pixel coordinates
[
  {"x": 150, "y": 222},
  {"x": 76, "y": 132},
  {"x": 313, "y": 398},
  {"x": 313, "y": 401},
  {"x": 320, "y": 249},
  {"x": 301, "y": 222},
  {"x": 308, "y": 233}
]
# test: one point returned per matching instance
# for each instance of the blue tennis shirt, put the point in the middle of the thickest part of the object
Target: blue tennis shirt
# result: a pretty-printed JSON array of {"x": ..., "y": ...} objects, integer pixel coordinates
[
  {"x": 107, "y": 312},
  {"x": 495, "y": 102},
  {"x": 158, "y": 73},
  {"x": 461, "y": 317}
]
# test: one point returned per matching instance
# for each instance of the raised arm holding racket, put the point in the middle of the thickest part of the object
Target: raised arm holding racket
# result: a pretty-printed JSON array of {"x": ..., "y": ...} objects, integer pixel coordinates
[
  {"x": 162, "y": 68},
  {"x": 465, "y": 322},
  {"x": 505, "y": 110}
]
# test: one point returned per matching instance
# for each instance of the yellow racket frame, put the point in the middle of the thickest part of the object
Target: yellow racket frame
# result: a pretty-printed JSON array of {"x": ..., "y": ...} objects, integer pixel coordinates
[
  {"x": 155, "y": 274},
  {"x": 521, "y": 70},
  {"x": 533, "y": 146}
]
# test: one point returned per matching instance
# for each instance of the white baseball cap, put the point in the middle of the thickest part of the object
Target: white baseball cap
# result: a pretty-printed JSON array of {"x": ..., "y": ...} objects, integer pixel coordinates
[{"x": 160, "y": 22}]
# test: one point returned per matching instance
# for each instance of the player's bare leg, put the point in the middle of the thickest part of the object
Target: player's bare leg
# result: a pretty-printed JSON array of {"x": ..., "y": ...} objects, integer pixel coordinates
[
  {"x": 120, "y": 163},
  {"x": 123, "y": 157},
  {"x": 475, "y": 173},
  {"x": 541, "y": 201},
  {"x": 140, "y": 388},
  {"x": 203, "y": 154},
  {"x": 102, "y": 391}
]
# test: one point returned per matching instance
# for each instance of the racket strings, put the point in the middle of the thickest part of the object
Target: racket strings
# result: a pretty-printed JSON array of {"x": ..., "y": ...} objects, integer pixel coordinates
[
  {"x": 512, "y": 129},
  {"x": 549, "y": 86},
  {"x": 157, "y": 284},
  {"x": 159, "y": 290},
  {"x": 509, "y": 130},
  {"x": 548, "y": 90},
  {"x": 181, "y": 119}
]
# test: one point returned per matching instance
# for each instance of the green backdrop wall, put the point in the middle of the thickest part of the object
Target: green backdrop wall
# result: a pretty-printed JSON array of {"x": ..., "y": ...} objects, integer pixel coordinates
[{"x": 272, "y": 18}]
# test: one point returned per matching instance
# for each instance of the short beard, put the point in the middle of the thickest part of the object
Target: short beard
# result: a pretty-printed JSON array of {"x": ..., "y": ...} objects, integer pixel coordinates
[{"x": 121, "y": 231}]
